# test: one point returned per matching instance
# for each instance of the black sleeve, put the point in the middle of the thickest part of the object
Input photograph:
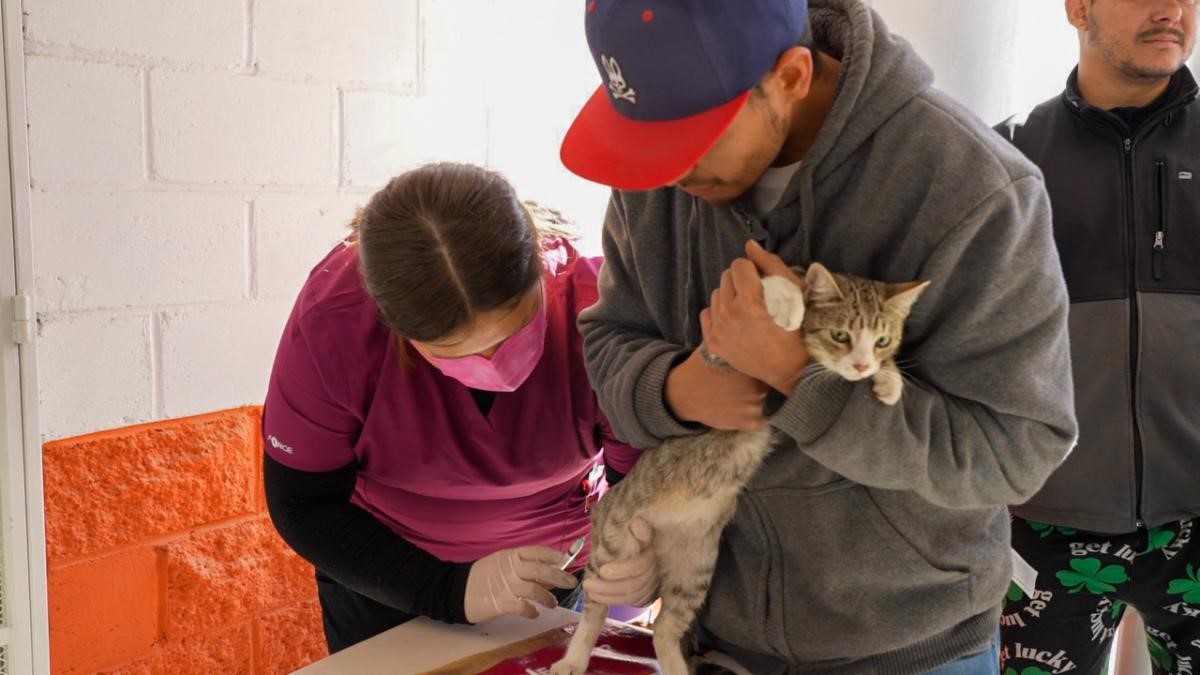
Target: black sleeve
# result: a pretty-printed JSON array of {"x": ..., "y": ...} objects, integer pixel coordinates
[
  {"x": 313, "y": 514},
  {"x": 612, "y": 476}
]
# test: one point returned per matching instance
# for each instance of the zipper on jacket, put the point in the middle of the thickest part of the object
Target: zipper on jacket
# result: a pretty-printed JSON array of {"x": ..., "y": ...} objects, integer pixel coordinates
[
  {"x": 754, "y": 227},
  {"x": 1134, "y": 328},
  {"x": 1160, "y": 213},
  {"x": 1125, "y": 135}
]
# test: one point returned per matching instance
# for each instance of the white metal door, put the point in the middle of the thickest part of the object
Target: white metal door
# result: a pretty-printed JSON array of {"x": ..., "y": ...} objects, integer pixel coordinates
[{"x": 24, "y": 639}]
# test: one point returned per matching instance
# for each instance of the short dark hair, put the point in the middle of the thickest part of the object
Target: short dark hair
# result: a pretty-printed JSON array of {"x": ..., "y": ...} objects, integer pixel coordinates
[
  {"x": 443, "y": 243},
  {"x": 806, "y": 40}
]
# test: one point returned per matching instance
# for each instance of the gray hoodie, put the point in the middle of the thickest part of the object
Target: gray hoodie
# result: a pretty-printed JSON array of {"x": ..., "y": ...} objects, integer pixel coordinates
[{"x": 875, "y": 539}]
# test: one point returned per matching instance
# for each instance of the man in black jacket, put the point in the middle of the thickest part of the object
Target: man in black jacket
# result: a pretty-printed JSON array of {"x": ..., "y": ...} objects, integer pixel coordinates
[{"x": 1116, "y": 526}]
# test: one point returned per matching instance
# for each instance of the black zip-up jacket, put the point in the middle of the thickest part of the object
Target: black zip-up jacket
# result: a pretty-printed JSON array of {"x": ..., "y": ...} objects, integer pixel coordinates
[{"x": 1126, "y": 204}]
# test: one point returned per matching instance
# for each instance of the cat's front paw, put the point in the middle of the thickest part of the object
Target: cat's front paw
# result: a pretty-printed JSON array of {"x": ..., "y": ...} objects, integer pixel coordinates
[
  {"x": 565, "y": 667},
  {"x": 888, "y": 386},
  {"x": 785, "y": 302}
]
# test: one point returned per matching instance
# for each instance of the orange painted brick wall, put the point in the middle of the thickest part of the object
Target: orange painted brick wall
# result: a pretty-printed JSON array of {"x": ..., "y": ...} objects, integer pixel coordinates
[{"x": 162, "y": 558}]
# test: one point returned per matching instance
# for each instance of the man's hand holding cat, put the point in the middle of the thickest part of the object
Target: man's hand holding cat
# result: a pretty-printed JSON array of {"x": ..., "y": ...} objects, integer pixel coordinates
[
  {"x": 769, "y": 264},
  {"x": 715, "y": 396},
  {"x": 738, "y": 328},
  {"x": 628, "y": 582}
]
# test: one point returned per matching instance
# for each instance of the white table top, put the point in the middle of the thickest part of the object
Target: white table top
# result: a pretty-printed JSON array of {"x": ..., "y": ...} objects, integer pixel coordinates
[{"x": 423, "y": 644}]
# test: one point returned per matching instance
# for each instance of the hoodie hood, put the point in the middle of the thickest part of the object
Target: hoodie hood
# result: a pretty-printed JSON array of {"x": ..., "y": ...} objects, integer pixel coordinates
[{"x": 881, "y": 73}]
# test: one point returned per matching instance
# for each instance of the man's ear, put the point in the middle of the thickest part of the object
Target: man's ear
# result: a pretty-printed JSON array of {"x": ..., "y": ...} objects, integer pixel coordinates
[
  {"x": 794, "y": 72},
  {"x": 1077, "y": 13}
]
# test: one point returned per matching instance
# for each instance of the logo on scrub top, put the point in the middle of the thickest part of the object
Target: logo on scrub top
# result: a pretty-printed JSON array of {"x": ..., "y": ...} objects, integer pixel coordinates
[{"x": 279, "y": 446}]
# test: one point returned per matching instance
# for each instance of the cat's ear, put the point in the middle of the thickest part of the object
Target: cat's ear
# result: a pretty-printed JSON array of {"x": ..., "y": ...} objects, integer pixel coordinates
[
  {"x": 820, "y": 285},
  {"x": 902, "y": 296}
]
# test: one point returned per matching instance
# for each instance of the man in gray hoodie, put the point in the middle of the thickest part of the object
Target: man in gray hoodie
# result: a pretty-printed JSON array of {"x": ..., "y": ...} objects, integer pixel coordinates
[{"x": 875, "y": 538}]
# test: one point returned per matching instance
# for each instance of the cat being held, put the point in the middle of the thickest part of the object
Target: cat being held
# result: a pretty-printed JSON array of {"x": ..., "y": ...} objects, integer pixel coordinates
[{"x": 687, "y": 489}]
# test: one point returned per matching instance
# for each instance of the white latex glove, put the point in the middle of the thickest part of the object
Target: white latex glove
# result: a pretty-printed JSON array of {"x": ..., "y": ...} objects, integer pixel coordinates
[
  {"x": 628, "y": 582},
  {"x": 507, "y": 581}
]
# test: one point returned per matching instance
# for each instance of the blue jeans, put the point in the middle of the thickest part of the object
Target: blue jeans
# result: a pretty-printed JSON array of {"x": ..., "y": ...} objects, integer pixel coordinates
[{"x": 986, "y": 662}]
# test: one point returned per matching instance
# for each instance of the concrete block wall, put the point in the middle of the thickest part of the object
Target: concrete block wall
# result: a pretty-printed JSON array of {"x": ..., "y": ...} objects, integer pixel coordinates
[{"x": 192, "y": 159}]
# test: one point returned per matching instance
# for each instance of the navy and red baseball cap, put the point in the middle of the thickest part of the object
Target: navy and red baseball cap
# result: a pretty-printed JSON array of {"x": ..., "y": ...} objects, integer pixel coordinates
[{"x": 675, "y": 73}]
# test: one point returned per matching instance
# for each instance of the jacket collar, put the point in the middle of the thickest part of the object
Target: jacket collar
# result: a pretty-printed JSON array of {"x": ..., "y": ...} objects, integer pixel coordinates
[{"x": 1181, "y": 91}]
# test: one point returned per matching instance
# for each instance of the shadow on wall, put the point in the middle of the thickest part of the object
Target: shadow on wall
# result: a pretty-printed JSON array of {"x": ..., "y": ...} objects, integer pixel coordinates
[
  {"x": 997, "y": 57},
  {"x": 162, "y": 557}
]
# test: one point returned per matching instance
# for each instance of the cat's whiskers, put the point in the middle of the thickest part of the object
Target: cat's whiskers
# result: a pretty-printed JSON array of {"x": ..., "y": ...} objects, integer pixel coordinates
[
  {"x": 820, "y": 373},
  {"x": 909, "y": 379},
  {"x": 813, "y": 366}
]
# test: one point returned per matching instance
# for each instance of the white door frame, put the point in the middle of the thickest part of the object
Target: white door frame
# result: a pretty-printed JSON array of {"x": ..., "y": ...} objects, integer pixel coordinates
[{"x": 24, "y": 633}]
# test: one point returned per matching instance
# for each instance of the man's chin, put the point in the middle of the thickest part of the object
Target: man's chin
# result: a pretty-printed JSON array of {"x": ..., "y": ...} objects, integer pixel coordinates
[{"x": 1156, "y": 69}]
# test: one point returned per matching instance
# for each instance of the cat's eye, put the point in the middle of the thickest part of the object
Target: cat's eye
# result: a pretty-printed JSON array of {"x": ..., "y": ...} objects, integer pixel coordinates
[
  {"x": 883, "y": 342},
  {"x": 840, "y": 336}
]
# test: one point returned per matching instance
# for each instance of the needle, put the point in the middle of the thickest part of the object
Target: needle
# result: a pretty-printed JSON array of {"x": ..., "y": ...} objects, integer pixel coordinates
[{"x": 573, "y": 552}]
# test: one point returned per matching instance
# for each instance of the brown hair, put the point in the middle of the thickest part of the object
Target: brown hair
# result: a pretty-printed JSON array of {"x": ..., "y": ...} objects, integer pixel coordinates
[
  {"x": 443, "y": 243},
  {"x": 807, "y": 41}
]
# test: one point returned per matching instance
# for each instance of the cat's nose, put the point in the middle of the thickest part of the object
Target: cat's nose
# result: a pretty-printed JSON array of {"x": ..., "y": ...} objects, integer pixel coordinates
[{"x": 861, "y": 367}]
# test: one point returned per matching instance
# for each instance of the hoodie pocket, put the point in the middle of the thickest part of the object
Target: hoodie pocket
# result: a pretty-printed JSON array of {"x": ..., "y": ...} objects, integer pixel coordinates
[{"x": 835, "y": 570}]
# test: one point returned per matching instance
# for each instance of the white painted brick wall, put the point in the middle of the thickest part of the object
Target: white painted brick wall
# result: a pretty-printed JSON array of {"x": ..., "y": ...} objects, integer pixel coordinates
[
  {"x": 293, "y": 232},
  {"x": 94, "y": 373},
  {"x": 350, "y": 41},
  {"x": 104, "y": 250},
  {"x": 84, "y": 121},
  {"x": 459, "y": 44},
  {"x": 529, "y": 61},
  {"x": 541, "y": 55},
  {"x": 387, "y": 134},
  {"x": 512, "y": 149},
  {"x": 219, "y": 357},
  {"x": 527, "y": 127},
  {"x": 193, "y": 159},
  {"x": 218, "y": 128},
  {"x": 195, "y": 31}
]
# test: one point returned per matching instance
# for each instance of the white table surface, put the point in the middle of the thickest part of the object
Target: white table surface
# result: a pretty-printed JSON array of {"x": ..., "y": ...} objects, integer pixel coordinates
[{"x": 423, "y": 644}]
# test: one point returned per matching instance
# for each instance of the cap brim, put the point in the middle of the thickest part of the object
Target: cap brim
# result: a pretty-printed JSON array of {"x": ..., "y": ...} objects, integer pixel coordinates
[{"x": 606, "y": 147}]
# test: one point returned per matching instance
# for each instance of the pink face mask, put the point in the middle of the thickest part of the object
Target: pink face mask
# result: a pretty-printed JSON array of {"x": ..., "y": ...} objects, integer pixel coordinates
[{"x": 508, "y": 367}]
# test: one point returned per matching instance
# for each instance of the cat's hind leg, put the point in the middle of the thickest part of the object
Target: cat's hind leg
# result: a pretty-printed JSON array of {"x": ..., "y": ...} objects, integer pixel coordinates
[
  {"x": 670, "y": 628},
  {"x": 611, "y": 540},
  {"x": 686, "y": 566},
  {"x": 579, "y": 652}
]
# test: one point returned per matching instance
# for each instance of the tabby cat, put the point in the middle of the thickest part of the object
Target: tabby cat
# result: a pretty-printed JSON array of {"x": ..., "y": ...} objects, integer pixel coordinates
[{"x": 687, "y": 488}]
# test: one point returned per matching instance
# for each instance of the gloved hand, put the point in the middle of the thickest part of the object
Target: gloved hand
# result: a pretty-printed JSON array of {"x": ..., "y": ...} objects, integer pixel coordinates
[
  {"x": 628, "y": 582},
  {"x": 505, "y": 582}
]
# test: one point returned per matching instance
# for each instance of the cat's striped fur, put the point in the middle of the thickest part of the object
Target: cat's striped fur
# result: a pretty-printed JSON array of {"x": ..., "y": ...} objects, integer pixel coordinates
[{"x": 687, "y": 488}]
